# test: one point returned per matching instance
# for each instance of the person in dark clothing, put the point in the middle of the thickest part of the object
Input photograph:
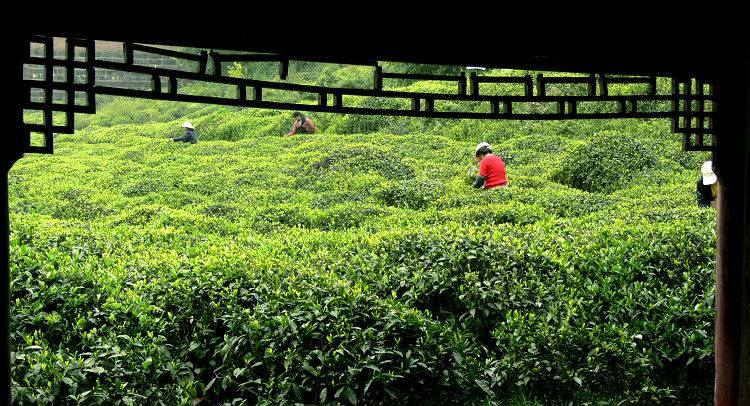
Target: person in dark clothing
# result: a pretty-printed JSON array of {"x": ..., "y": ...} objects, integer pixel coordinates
[
  {"x": 707, "y": 186},
  {"x": 189, "y": 135},
  {"x": 302, "y": 125}
]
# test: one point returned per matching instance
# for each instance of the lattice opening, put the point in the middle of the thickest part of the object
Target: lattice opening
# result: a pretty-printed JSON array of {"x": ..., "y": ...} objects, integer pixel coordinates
[
  {"x": 34, "y": 117},
  {"x": 37, "y": 139}
]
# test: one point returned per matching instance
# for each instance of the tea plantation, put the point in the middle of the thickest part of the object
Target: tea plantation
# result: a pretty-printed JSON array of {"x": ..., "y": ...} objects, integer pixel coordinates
[{"x": 357, "y": 266}]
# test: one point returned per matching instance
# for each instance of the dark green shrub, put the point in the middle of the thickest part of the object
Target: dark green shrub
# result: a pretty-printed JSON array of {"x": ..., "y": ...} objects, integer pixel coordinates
[
  {"x": 140, "y": 215},
  {"x": 491, "y": 215},
  {"x": 78, "y": 203},
  {"x": 145, "y": 186},
  {"x": 270, "y": 218},
  {"x": 410, "y": 194},
  {"x": 607, "y": 162},
  {"x": 363, "y": 159},
  {"x": 318, "y": 344}
]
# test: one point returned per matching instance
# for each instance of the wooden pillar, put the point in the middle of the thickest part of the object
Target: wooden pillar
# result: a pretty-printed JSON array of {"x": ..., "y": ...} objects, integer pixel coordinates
[
  {"x": 732, "y": 164},
  {"x": 5, "y": 280},
  {"x": 12, "y": 145}
]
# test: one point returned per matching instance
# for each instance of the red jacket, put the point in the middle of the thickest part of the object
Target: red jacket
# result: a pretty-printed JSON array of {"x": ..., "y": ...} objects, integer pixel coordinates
[{"x": 493, "y": 168}]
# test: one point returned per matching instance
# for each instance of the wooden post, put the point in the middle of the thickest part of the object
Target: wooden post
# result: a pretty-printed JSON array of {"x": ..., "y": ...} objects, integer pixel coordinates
[
  {"x": 733, "y": 235},
  {"x": 5, "y": 279},
  {"x": 11, "y": 152}
]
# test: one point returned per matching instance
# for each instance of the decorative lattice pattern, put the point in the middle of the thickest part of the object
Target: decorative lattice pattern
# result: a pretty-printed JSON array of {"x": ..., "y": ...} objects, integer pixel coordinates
[
  {"x": 68, "y": 87},
  {"x": 693, "y": 109}
]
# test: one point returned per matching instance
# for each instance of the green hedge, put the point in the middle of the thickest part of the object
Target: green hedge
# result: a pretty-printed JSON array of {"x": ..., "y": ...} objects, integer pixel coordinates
[{"x": 359, "y": 268}]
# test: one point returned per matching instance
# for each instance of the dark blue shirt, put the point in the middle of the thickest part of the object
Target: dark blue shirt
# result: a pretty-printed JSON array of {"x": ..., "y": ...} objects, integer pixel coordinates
[{"x": 188, "y": 137}]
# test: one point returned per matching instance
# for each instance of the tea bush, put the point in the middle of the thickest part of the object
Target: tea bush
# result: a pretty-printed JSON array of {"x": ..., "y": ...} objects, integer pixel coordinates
[
  {"x": 356, "y": 265},
  {"x": 605, "y": 163}
]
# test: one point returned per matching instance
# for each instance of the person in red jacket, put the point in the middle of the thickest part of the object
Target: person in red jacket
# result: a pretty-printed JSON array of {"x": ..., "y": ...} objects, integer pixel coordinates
[
  {"x": 491, "y": 168},
  {"x": 302, "y": 125}
]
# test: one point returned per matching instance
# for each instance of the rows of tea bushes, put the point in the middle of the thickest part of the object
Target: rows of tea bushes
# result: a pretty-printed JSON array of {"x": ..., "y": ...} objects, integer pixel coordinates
[{"x": 357, "y": 266}]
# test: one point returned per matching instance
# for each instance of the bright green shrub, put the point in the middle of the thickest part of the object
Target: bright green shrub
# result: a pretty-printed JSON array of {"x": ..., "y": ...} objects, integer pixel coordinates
[
  {"x": 492, "y": 215},
  {"x": 344, "y": 216},
  {"x": 349, "y": 77},
  {"x": 140, "y": 215},
  {"x": 145, "y": 186},
  {"x": 327, "y": 268},
  {"x": 235, "y": 124}
]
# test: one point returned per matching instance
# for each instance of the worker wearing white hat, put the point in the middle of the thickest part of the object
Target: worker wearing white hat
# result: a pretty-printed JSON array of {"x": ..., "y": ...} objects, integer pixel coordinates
[
  {"x": 189, "y": 135},
  {"x": 491, "y": 168},
  {"x": 707, "y": 187}
]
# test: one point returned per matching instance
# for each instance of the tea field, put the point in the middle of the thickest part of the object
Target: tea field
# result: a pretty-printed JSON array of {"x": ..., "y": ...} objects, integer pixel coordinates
[{"x": 357, "y": 266}]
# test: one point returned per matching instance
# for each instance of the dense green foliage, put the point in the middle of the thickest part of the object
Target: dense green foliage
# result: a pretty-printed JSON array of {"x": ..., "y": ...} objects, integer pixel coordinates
[{"x": 356, "y": 266}]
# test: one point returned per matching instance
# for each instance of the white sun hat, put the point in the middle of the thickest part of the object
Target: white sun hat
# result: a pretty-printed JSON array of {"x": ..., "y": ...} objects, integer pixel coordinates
[
  {"x": 187, "y": 124},
  {"x": 709, "y": 177},
  {"x": 482, "y": 144}
]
